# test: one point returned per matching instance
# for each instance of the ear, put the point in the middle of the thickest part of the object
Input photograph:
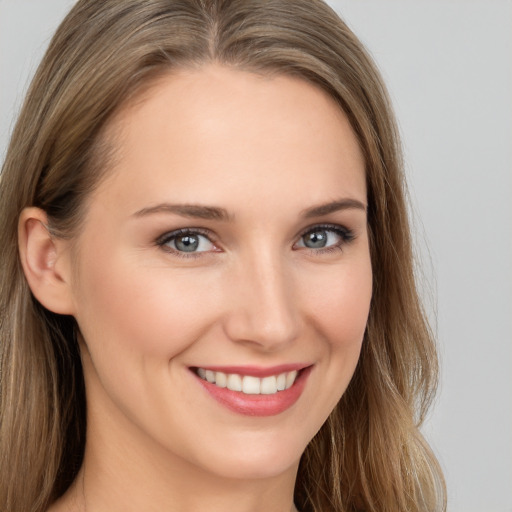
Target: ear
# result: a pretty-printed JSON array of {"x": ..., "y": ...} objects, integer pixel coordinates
[{"x": 45, "y": 261}]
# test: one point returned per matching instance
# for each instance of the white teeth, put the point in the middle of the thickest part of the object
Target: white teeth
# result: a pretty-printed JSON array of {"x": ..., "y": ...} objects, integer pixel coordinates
[
  {"x": 268, "y": 386},
  {"x": 290, "y": 378},
  {"x": 248, "y": 384},
  {"x": 221, "y": 379},
  {"x": 281, "y": 382},
  {"x": 251, "y": 385},
  {"x": 234, "y": 382}
]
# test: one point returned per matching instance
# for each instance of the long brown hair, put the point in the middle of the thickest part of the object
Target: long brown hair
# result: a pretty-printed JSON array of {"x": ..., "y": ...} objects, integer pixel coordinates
[{"x": 370, "y": 454}]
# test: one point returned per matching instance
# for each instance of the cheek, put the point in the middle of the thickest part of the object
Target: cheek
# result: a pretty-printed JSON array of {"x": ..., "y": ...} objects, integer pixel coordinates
[
  {"x": 147, "y": 311},
  {"x": 339, "y": 309},
  {"x": 339, "y": 304}
]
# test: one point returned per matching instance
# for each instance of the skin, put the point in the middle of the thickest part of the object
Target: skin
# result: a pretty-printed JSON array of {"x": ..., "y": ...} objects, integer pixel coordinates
[{"x": 265, "y": 150}]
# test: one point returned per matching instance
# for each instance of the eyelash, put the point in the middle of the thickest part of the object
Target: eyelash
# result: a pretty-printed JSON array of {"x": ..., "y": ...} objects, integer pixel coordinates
[
  {"x": 346, "y": 236},
  {"x": 163, "y": 240}
]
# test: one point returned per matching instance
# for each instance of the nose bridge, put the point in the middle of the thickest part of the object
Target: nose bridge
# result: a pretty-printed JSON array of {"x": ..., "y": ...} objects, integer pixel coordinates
[{"x": 264, "y": 311}]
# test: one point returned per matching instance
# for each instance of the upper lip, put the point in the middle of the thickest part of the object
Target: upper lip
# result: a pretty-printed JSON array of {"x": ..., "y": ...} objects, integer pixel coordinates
[{"x": 256, "y": 371}]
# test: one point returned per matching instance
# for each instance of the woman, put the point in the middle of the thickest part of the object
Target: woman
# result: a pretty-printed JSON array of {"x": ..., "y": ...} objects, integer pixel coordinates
[{"x": 207, "y": 289}]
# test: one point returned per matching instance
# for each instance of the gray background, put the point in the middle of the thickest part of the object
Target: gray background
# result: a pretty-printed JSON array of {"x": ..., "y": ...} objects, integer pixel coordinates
[{"x": 448, "y": 65}]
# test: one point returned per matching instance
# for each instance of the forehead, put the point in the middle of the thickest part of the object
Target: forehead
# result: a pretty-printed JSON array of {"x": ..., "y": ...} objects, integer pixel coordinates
[{"x": 216, "y": 130}]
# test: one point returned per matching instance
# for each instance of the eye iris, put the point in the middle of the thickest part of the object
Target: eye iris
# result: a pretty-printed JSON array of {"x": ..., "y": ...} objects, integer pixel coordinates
[
  {"x": 315, "y": 239},
  {"x": 187, "y": 243}
]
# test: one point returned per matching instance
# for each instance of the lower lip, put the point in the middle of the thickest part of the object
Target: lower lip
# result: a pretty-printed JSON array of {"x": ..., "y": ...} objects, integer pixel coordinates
[{"x": 258, "y": 405}]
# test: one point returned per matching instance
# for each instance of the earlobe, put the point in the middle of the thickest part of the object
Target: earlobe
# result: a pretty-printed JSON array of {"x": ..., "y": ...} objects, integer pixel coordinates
[{"x": 45, "y": 262}]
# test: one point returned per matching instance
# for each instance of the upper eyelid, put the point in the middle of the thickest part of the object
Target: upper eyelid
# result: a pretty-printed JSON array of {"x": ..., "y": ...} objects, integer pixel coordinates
[
  {"x": 184, "y": 231},
  {"x": 162, "y": 241},
  {"x": 326, "y": 226},
  {"x": 347, "y": 234}
]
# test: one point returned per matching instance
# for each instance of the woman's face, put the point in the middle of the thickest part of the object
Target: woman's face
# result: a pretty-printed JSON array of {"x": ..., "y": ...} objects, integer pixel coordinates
[{"x": 229, "y": 242}]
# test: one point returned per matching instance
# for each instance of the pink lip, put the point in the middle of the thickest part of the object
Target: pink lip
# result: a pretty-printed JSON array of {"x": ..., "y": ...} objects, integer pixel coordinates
[{"x": 258, "y": 405}]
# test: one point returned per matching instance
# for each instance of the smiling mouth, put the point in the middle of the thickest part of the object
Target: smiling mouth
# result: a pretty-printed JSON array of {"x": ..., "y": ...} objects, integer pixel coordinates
[{"x": 248, "y": 384}]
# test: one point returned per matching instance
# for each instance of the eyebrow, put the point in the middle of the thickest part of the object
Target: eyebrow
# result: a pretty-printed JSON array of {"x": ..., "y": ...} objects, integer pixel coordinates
[
  {"x": 334, "y": 206},
  {"x": 194, "y": 211},
  {"x": 197, "y": 211}
]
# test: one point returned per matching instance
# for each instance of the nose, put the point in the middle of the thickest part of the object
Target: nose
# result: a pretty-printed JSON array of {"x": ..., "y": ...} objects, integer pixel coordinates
[{"x": 263, "y": 309}]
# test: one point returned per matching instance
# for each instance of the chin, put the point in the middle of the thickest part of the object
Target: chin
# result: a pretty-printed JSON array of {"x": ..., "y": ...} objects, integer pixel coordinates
[
  {"x": 248, "y": 468},
  {"x": 256, "y": 457}
]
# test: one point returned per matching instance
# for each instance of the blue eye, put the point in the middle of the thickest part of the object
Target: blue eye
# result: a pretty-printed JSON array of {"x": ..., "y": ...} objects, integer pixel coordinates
[
  {"x": 325, "y": 237},
  {"x": 186, "y": 241}
]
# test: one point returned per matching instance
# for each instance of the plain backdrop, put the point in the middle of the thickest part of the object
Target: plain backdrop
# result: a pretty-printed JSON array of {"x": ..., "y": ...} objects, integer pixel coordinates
[{"x": 448, "y": 66}]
